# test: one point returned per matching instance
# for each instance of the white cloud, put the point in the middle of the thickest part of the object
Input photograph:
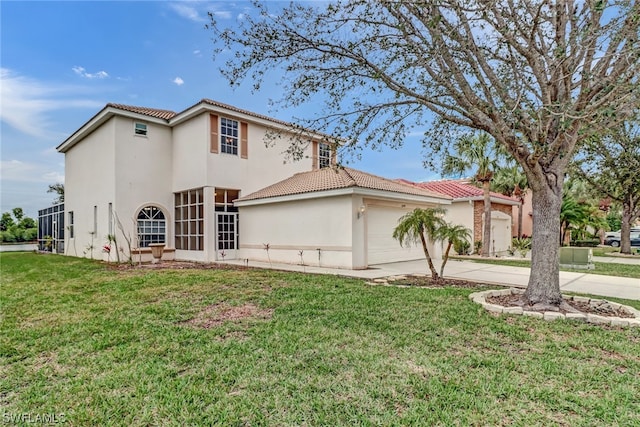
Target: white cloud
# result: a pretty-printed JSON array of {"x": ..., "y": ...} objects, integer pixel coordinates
[
  {"x": 197, "y": 53},
  {"x": 81, "y": 71},
  {"x": 178, "y": 81},
  {"x": 197, "y": 11},
  {"x": 187, "y": 12},
  {"x": 19, "y": 171},
  {"x": 27, "y": 101}
]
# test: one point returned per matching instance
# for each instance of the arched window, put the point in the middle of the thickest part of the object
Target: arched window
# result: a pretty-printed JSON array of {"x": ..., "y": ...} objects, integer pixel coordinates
[{"x": 151, "y": 226}]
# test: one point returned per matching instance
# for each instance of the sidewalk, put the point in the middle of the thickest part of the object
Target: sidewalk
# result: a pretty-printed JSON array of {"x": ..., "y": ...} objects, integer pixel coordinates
[
  {"x": 586, "y": 283},
  {"x": 631, "y": 260}
]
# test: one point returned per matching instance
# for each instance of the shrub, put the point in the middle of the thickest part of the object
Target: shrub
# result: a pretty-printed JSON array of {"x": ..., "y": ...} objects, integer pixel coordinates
[
  {"x": 7, "y": 237},
  {"x": 462, "y": 247},
  {"x": 588, "y": 243},
  {"x": 522, "y": 245}
]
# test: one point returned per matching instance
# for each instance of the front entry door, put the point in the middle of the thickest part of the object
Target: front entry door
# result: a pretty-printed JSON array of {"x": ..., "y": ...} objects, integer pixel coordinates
[{"x": 227, "y": 237}]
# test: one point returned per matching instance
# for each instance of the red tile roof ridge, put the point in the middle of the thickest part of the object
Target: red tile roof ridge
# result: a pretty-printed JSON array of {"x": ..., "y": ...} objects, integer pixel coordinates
[
  {"x": 458, "y": 189},
  {"x": 335, "y": 178},
  {"x": 152, "y": 112}
]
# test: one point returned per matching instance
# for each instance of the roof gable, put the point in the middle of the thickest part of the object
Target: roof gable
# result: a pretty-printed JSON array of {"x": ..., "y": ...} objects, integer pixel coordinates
[{"x": 327, "y": 179}]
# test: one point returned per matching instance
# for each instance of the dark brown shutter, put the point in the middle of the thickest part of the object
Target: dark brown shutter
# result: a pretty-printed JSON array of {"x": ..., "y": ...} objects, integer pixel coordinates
[
  {"x": 244, "y": 140},
  {"x": 314, "y": 155},
  {"x": 213, "y": 126}
]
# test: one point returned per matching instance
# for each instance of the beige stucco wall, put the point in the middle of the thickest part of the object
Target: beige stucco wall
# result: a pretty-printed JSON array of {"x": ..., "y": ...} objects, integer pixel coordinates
[
  {"x": 190, "y": 149},
  {"x": 143, "y": 174},
  {"x": 89, "y": 182},
  {"x": 112, "y": 165},
  {"x": 194, "y": 166},
  {"x": 460, "y": 213},
  {"x": 332, "y": 224},
  {"x": 304, "y": 225}
]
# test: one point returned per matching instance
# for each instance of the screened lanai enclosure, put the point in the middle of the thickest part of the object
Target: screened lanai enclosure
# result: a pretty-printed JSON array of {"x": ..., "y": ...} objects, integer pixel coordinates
[{"x": 51, "y": 229}]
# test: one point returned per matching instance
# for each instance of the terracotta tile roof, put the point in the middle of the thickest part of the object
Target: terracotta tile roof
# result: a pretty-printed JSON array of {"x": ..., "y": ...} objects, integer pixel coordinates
[
  {"x": 239, "y": 110},
  {"x": 152, "y": 112},
  {"x": 456, "y": 189},
  {"x": 168, "y": 114},
  {"x": 334, "y": 179}
]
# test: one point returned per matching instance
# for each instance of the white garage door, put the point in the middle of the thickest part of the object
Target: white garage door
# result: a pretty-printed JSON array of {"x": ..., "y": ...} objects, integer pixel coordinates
[{"x": 381, "y": 246}]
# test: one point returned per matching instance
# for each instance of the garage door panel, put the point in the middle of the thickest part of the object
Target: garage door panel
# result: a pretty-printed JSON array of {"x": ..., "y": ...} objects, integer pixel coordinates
[{"x": 381, "y": 246}]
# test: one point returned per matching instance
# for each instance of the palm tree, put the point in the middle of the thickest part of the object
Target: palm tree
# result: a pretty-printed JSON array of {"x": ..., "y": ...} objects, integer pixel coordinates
[
  {"x": 451, "y": 234},
  {"x": 477, "y": 152},
  {"x": 572, "y": 212},
  {"x": 420, "y": 225},
  {"x": 512, "y": 182}
]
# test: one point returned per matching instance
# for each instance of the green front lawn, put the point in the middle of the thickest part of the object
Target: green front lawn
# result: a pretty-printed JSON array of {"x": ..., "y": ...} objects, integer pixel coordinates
[{"x": 119, "y": 347}]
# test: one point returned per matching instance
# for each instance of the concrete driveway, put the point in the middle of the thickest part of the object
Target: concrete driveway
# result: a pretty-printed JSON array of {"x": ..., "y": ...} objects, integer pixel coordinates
[{"x": 585, "y": 283}]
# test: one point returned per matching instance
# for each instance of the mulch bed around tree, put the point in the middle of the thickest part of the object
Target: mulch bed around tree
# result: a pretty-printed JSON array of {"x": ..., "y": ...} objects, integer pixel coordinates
[
  {"x": 428, "y": 282},
  {"x": 579, "y": 306},
  {"x": 512, "y": 300}
]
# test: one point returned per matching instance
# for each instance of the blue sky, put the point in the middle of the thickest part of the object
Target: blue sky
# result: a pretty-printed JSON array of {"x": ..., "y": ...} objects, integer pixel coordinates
[{"x": 63, "y": 61}]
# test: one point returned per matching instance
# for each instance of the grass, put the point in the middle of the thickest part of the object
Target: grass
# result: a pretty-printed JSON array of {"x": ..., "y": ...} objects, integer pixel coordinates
[
  {"x": 603, "y": 268},
  {"x": 604, "y": 250},
  {"x": 106, "y": 347}
]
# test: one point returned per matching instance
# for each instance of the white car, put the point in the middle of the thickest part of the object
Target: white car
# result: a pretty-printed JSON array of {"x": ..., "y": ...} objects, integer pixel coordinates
[{"x": 616, "y": 234}]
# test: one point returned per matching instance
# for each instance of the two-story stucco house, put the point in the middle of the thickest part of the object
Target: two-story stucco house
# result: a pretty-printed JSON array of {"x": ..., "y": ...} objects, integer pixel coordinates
[{"x": 149, "y": 176}]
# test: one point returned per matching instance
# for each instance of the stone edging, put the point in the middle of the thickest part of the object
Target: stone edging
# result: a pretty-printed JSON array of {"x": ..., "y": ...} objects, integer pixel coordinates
[{"x": 480, "y": 298}]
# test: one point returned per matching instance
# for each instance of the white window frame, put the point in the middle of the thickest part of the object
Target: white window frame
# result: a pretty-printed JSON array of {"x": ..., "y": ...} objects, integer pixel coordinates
[
  {"x": 229, "y": 136},
  {"x": 324, "y": 155},
  {"x": 189, "y": 220},
  {"x": 140, "y": 129},
  {"x": 153, "y": 224}
]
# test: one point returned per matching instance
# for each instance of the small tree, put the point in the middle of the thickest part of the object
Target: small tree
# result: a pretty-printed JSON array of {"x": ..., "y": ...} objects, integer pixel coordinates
[
  {"x": 6, "y": 222},
  {"x": 420, "y": 225},
  {"x": 58, "y": 189},
  {"x": 452, "y": 235}
]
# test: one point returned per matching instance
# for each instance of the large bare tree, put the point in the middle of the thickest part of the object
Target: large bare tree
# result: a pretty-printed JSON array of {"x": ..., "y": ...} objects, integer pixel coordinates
[{"x": 539, "y": 76}]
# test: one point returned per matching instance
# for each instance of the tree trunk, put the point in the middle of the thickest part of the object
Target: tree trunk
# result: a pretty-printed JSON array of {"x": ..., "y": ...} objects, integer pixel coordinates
[
  {"x": 543, "y": 289},
  {"x": 625, "y": 228},
  {"x": 434, "y": 273},
  {"x": 520, "y": 209},
  {"x": 486, "y": 233},
  {"x": 445, "y": 258}
]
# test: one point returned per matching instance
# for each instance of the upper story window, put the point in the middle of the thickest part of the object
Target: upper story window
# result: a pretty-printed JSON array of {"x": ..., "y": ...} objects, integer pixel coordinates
[
  {"x": 224, "y": 200},
  {"x": 228, "y": 136},
  {"x": 140, "y": 129},
  {"x": 324, "y": 155}
]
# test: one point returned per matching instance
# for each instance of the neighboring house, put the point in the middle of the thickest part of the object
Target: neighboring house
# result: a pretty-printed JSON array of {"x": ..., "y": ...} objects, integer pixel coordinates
[
  {"x": 467, "y": 209},
  {"x": 527, "y": 216},
  {"x": 333, "y": 217},
  {"x": 151, "y": 176}
]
